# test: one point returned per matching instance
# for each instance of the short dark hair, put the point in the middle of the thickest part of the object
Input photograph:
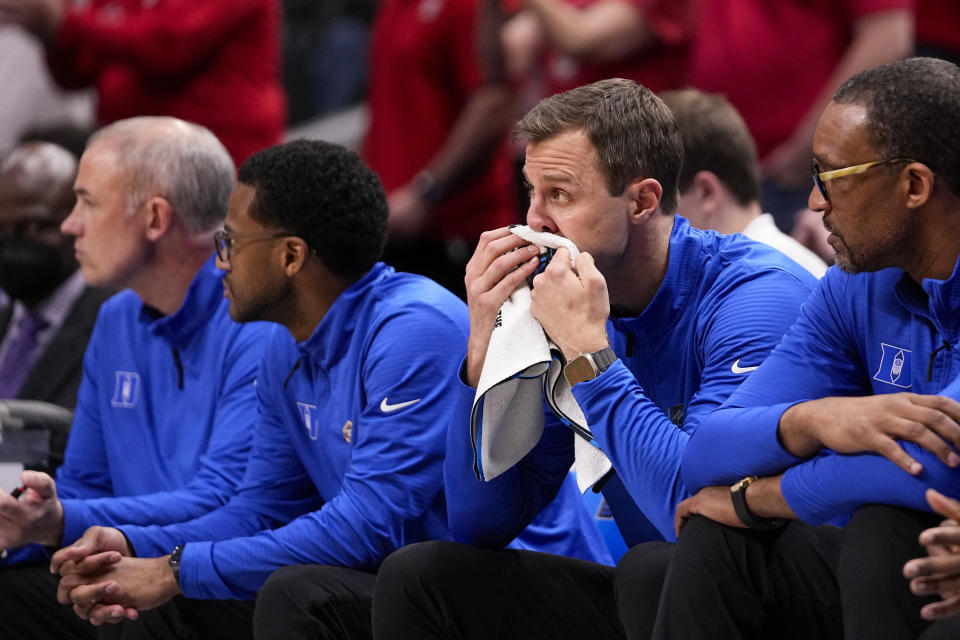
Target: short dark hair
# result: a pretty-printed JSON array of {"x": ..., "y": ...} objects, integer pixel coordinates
[
  {"x": 913, "y": 110},
  {"x": 324, "y": 194},
  {"x": 631, "y": 129},
  {"x": 715, "y": 139}
]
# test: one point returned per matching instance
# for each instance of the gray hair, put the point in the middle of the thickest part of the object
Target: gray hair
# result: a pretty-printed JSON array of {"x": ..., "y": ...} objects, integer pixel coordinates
[{"x": 180, "y": 161}]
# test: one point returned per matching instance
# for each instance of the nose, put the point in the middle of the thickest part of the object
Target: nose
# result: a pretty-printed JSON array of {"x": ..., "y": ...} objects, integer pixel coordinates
[
  {"x": 816, "y": 201},
  {"x": 71, "y": 224},
  {"x": 223, "y": 265},
  {"x": 537, "y": 217}
]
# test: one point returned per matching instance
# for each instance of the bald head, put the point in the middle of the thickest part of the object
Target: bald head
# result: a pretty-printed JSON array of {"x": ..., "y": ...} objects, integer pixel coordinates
[{"x": 180, "y": 161}]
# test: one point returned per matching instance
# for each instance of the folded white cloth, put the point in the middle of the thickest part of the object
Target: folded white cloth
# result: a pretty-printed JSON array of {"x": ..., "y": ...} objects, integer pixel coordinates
[{"x": 523, "y": 367}]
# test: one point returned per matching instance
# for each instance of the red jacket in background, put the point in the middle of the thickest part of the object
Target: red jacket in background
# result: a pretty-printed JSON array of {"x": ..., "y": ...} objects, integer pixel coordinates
[{"x": 212, "y": 62}]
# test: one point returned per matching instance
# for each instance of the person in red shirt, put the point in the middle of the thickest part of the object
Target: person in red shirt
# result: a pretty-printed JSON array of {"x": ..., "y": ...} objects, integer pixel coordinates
[
  {"x": 438, "y": 136},
  {"x": 779, "y": 62},
  {"x": 206, "y": 61}
]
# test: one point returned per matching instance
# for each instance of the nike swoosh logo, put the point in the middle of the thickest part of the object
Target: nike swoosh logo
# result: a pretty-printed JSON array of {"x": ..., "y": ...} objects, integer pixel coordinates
[
  {"x": 736, "y": 368},
  {"x": 390, "y": 408}
]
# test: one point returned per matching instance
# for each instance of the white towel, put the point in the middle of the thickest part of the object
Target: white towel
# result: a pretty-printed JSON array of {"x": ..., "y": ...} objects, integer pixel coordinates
[{"x": 523, "y": 367}]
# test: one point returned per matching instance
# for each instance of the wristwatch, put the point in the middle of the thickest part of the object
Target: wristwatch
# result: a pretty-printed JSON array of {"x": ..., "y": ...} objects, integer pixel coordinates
[
  {"x": 738, "y": 493},
  {"x": 588, "y": 366},
  {"x": 175, "y": 562}
]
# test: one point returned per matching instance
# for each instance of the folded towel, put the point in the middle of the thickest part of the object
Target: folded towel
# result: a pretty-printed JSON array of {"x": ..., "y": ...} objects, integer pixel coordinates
[{"x": 523, "y": 367}]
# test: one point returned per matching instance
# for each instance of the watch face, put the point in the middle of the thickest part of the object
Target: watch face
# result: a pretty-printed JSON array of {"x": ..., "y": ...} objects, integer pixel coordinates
[{"x": 580, "y": 369}]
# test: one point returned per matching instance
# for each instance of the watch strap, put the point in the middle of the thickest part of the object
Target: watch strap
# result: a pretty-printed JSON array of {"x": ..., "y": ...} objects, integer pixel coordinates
[
  {"x": 738, "y": 494},
  {"x": 174, "y": 562}
]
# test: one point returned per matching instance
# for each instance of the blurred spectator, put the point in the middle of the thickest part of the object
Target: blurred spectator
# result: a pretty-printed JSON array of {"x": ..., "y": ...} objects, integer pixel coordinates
[
  {"x": 211, "y": 62},
  {"x": 437, "y": 136},
  {"x": 47, "y": 318},
  {"x": 779, "y": 62},
  {"x": 325, "y": 55},
  {"x": 809, "y": 231},
  {"x": 589, "y": 40},
  {"x": 30, "y": 98},
  {"x": 720, "y": 178}
]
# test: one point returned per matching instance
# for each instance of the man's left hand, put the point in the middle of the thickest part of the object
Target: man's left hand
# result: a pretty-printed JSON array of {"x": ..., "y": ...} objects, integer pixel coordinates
[
  {"x": 711, "y": 502},
  {"x": 571, "y": 305},
  {"x": 118, "y": 590},
  {"x": 939, "y": 572}
]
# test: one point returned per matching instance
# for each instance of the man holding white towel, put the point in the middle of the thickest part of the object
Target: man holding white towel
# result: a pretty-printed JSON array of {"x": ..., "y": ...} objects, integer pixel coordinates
[{"x": 658, "y": 323}]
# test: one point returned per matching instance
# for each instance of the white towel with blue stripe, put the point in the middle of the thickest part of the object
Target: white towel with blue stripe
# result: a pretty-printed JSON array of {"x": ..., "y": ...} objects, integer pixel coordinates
[{"x": 522, "y": 368}]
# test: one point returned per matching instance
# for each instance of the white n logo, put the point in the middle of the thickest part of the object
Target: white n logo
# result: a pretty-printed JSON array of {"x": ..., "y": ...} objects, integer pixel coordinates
[{"x": 312, "y": 424}]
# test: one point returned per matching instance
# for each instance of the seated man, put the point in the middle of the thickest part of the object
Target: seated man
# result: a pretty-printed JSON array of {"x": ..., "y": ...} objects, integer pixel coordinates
[
  {"x": 49, "y": 315},
  {"x": 672, "y": 319},
  {"x": 164, "y": 415},
  {"x": 354, "y": 403},
  {"x": 857, "y": 374},
  {"x": 720, "y": 177}
]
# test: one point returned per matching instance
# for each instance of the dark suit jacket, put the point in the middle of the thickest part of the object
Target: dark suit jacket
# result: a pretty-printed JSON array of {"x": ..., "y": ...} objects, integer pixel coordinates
[{"x": 55, "y": 376}]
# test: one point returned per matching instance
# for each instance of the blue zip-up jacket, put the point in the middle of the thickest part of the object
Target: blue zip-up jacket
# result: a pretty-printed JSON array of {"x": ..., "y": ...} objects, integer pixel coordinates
[
  {"x": 724, "y": 303},
  {"x": 346, "y": 461},
  {"x": 165, "y": 412},
  {"x": 859, "y": 334}
]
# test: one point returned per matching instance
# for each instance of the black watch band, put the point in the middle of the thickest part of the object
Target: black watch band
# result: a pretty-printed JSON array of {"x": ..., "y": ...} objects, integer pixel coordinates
[
  {"x": 738, "y": 494},
  {"x": 174, "y": 562}
]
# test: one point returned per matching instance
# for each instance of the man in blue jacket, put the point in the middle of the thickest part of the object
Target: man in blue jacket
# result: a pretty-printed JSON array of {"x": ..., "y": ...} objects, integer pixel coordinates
[
  {"x": 354, "y": 402},
  {"x": 871, "y": 368},
  {"x": 668, "y": 320},
  {"x": 164, "y": 415}
]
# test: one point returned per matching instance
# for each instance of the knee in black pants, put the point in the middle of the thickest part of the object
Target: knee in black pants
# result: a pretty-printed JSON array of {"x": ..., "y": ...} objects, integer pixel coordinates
[{"x": 638, "y": 581}]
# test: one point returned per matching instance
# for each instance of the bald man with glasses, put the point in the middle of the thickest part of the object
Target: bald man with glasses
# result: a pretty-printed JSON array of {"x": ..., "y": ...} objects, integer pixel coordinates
[{"x": 855, "y": 413}]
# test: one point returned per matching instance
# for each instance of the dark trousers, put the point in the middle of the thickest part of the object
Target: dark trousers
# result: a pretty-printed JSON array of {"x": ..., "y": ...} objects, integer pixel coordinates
[
  {"x": 727, "y": 583},
  {"x": 448, "y": 590},
  {"x": 315, "y": 601},
  {"x": 877, "y": 602},
  {"x": 29, "y": 610},
  {"x": 638, "y": 581}
]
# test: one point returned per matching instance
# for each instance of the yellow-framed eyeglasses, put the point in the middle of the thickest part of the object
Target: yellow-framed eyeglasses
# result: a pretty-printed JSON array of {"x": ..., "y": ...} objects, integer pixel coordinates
[{"x": 820, "y": 178}]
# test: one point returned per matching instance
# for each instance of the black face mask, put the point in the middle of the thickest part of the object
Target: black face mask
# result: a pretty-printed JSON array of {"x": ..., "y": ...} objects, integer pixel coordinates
[{"x": 29, "y": 271}]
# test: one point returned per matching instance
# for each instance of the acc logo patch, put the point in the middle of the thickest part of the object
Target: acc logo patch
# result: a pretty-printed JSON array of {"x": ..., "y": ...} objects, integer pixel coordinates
[
  {"x": 126, "y": 389},
  {"x": 347, "y": 431},
  {"x": 895, "y": 366}
]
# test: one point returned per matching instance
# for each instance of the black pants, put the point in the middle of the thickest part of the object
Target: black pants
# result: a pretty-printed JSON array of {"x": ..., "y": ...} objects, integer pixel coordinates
[
  {"x": 448, "y": 590},
  {"x": 315, "y": 601},
  {"x": 638, "y": 581},
  {"x": 29, "y": 610},
  {"x": 877, "y": 602},
  {"x": 727, "y": 583}
]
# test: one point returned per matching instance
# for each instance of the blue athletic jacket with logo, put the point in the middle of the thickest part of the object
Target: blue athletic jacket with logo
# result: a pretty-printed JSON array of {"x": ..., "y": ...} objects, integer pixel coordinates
[
  {"x": 724, "y": 303},
  {"x": 165, "y": 412},
  {"x": 347, "y": 455},
  {"x": 859, "y": 334}
]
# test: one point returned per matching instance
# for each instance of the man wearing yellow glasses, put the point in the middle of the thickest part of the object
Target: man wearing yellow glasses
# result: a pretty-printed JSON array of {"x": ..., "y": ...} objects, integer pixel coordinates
[{"x": 855, "y": 414}]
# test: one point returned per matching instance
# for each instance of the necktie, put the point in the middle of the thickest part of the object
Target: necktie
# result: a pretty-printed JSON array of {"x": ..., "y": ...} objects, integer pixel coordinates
[{"x": 19, "y": 356}]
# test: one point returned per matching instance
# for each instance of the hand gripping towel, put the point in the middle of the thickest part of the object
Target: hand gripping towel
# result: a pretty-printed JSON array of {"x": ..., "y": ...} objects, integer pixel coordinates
[{"x": 522, "y": 368}]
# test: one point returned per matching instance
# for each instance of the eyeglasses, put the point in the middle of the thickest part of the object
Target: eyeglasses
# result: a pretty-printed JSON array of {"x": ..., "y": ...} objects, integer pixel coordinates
[
  {"x": 820, "y": 178},
  {"x": 223, "y": 240}
]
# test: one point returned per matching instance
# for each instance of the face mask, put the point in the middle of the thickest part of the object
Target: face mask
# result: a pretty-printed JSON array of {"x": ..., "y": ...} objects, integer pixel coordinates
[{"x": 29, "y": 271}]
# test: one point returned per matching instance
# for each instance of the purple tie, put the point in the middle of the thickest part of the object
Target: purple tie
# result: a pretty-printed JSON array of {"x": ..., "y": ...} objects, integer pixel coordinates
[{"x": 16, "y": 361}]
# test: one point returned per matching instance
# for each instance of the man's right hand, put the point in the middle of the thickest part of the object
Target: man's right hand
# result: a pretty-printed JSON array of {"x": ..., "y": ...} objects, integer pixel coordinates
[
  {"x": 35, "y": 517},
  {"x": 493, "y": 273},
  {"x": 94, "y": 541},
  {"x": 875, "y": 423}
]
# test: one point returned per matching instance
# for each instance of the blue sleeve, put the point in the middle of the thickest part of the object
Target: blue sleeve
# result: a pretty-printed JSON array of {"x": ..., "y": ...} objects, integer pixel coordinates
[
  {"x": 742, "y": 321},
  {"x": 815, "y": 359},
  {"x": 275, "y": 489},
  {"x": 391, "y": 483},
  {"x": 491, "y": 514},
  {"x": 221, "y": 467},
  {"x": 85, "y": 472},
  {"x": 833, "y": 484}
]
